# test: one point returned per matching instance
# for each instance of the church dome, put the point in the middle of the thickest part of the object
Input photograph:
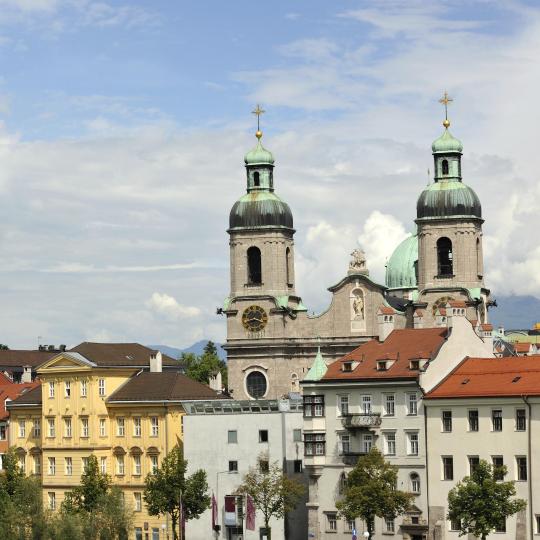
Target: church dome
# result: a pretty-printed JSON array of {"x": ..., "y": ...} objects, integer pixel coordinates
[
  {"x": 446, "y": 143},
  {"x": 260, "y": 209},
  {"x": 401, "y": 267},
  {"x": 259, "y": 156},
  {"x": 448, "y": 199}
]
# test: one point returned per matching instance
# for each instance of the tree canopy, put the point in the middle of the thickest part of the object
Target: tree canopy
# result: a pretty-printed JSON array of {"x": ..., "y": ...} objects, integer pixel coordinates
[
  {"x": 168, "y": 490},
  {"x": 482, "y": 502},
  {"x": 208, "y": 364},
  {"x": 273, "y": 492},
  {"x": 371, "y": 492}
]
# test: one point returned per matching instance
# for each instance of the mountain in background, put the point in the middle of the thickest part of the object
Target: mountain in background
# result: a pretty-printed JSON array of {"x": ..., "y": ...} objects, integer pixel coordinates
[
  {"x": 196, "y": 348},
  {"x": 515, "y": 312}
]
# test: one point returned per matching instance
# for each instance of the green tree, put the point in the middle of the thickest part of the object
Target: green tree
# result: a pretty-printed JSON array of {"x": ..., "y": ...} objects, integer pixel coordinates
[
  {"x": 168, "y": 490},
  {"x": 273, "y": 492},
  {"x": 207, "y": 365},
  {"x": 482, "y": 501},
  {"x": 371, "y": 492},
  {"x": 99, "y": 506}
]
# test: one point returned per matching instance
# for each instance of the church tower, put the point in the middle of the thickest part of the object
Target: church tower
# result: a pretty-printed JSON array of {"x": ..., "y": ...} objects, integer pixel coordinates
[{"x": 449, "y": 220}]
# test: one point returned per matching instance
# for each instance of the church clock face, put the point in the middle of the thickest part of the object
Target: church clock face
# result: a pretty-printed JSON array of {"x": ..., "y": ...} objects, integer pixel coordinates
[{"x": 254, "y": 319}]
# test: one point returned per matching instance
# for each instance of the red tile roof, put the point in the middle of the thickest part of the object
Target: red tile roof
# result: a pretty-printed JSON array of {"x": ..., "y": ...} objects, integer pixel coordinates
[
  {"x": 457, "y": 304},
  {"x": 521, "y": 347},
  {"x": 387, "y": 310},
  {"x": 487, "y": 327},
  {"x": 488, "y": 377},
  {"x": 401, "y": 345},
  {"x": 12, "y": 391}
]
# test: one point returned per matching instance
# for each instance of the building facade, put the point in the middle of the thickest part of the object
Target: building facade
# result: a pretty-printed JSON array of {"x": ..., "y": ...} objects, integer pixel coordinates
[{"x": 226, "y": 439}]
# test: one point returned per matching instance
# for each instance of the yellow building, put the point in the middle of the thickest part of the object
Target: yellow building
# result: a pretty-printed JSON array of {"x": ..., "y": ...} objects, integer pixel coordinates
[{"x": 120, "y": 402}]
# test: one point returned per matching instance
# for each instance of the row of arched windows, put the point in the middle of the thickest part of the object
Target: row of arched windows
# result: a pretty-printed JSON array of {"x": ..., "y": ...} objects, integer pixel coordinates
[{"x": 254, "y": 265}]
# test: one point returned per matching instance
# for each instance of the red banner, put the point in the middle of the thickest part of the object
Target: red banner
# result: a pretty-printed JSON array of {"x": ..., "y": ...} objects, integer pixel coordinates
[{"x": 250, "y": 514}]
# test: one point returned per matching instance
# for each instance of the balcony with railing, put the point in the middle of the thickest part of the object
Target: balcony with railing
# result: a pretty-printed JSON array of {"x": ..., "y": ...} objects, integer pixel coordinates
[{"x": 366, "y": 421}]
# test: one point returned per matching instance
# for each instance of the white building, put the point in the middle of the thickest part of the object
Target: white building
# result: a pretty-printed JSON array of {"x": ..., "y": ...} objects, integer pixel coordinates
[
  {"x": 485, "y": 409},
  {"x": 226, "y": 438},
  {"x": 373, "y": 396}
]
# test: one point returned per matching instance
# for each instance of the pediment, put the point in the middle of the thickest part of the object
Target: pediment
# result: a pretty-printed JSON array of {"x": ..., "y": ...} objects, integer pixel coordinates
[{"x": 66, "y": 361}]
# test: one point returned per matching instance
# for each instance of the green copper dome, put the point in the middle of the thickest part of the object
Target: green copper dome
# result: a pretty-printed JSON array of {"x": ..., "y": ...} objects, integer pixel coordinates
[
  {"x": 448, "y": 199},
  {"x": 260, "y": 209},
  {"x": 318, "y": 370},
  {"x": 401, "y": 267},
  {"x": 259, "y": 156},
  {"x": 447, "y": 143}
]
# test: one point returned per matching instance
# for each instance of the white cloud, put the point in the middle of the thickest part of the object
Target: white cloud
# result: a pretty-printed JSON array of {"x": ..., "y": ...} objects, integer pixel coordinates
[{"x": 168, "y": 306}]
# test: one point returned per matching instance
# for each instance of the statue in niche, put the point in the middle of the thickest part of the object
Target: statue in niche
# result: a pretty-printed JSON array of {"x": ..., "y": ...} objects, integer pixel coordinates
[
  {"x": 358, "y": 306},
  {"x": 358, "y": 262}
]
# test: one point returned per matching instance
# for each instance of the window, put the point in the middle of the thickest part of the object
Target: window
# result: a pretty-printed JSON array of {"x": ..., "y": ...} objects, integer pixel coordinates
[
  {"x": 232, "y": 436},
  {"x": 22, "y": 428},
  {"x": 233, "y": 466},
  {"x": 138, "y": 533},
  {"x": 455, "y": 525},
  {"x": 288, "y": 262},
  {"x": 445, "y": 166},
  {"x": 496, "y": 419},
  {"x": 120, "y": 426},
  {"x": 37, "y": 428},
  {"x": 412, "y": 443},
  {"x": 52, "y": 500},
  {"x": 448, "y": 469},
  {"x": 3, "y": 432},
  {"x": 154, "y": 426},
  {"x": 101, "y": 386},
  {"x": 344, "y": 444},
  {"x": 154, "y": 463},
  {"x": 264, "y": 465},
  {"x": 447, "y": 421},
  {"x": 390, "y": 444},
  {"x": 256, "y": 179},
  {"x": 497, "y": 462},
  {"x": 474, "y": 461},
  {"x": 366, "y": 404},
  {"x": 22, "y": 463},
  {"x": 473, "y": 420},
  {"x": 331, "y": 522},
  {"x": 137, "y": 465},
  {"x": 51, "y": 426},
  {"x": 444, "y": 257},
  {"x": 389, "y": 525},
  {"x": 51, "y": 389},
  {"x": 84, "y": 427},
  {"x": 52, "y": 466},
  {"x": 102, "y": 427},
  {"x": 263, "y": 435},
  {"x": 367, "y": 443},
  {"x": 297, "y": 465},
  {"x": 256, "y": 384},
  {"x": 415, "y": 483},
  {"x": 314, "y": 444},
  {"x": 155, "y": 533},
  {"x": 67, "y": 388},
  {"x": 120, "y": 465},
  {"x": 521, "y": 463},
  {"x": 412, "y": 404},
  {"x": 521, "y": 420},
  {"x": 313, "y": 406},
  {"x": 138, "y": 501},
  {"x": 254, "y": 266},
  {"x": 537, "y": 524},
  {"x": 84, "y": 464},
  {"x": 342, "y": 485},
  {"x": 68, "y": 466},
  {"x": 297, "y": 435},
  {"x": 501, "y": 526},
  {"x": 350, "y": 526},
  {"x": 389, "y": 404},
  {"x": 136, "y": 426},
  {"x": 37, "y": 465},
  {"x": 103, "y": 465},
  {"x": 343, "y": 404},
  {"x": 84, "y": 388},
  {"x": 67, "y": 427}
]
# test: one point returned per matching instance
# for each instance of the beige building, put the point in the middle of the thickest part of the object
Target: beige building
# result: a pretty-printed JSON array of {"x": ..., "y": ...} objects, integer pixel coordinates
[
  {"x": 120, "y": 402},
  {"x": 490, "y": 410}
]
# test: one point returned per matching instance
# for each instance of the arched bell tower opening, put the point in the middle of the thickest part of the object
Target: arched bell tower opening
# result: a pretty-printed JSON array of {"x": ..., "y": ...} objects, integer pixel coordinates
[
  {"x": 445, "y": 264},
  {"x": 254, "y": 266}
]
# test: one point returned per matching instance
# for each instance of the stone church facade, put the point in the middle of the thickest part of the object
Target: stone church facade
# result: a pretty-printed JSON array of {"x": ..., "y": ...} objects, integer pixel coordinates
[{"x": 272, "y": 340}]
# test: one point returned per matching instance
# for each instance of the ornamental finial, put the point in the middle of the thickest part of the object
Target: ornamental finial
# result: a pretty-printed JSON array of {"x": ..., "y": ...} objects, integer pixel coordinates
[
  {"x": 445, "y": 100},
  {"x": 257, "y": 112}
]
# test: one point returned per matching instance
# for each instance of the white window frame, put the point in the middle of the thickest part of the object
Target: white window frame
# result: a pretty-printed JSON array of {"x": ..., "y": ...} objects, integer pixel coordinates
[
  {"x": 366, "y": 402},
  {"x": 101, "y": 386},
  {"x": 343, "y": 402},
  {"x": 68, "y": 431},
  {"x": 389, "y": 444},
  {"x": 85, "y": 426},
  {"x": 412, "y": 404},
  {"x": 67, "y": 389},
  {"x": 51, "y": 428},
  {"x": 137, "y": 467},
  {"x": 51, "y": 389},
  {"x": 102, "y": 427},
  {"x": 68, "y": 466},
  {"x": 154, "y": 463},
  {"x": 367, "y": 442},
  {"x": 154, "y": 426},
  {"x": 120, "y": 426},
  {"x": 52, "y": 500},
  {"x": 84, "y": 388},
  {"x": 37, "y": 464},
  {"x": 36, "y": 428},
  {"x": 137, "y": 426},
  {"x": 389, "y": 404},
  {"x": 51, "y": 469},
  {"x": 22, "y": 428},
  {"x": 413, "y": 446},
  {"x": 138, "y": 501},
  {"x": 344, "y": 443},
  {"x": 103, "y": 465},
  {"x": 120, "y": 465}
]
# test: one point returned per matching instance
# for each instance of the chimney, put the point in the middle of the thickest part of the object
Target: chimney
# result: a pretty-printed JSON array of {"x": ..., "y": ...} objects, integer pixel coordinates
[
  {"x": 215, "y": 383},
  {"x": 155, "y": 362},
  {"x": 386, "y": 320},
  {"x": 27, "y": 374}
]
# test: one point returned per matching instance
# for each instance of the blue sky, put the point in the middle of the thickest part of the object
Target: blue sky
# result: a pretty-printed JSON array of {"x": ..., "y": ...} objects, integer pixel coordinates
[{"x": 124, "y": 124}]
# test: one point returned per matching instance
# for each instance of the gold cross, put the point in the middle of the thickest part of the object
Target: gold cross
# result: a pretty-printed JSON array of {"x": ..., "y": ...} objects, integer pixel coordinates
[
  {"x": 445, "y": 100},
  {"x": 258, "y": 111}
]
